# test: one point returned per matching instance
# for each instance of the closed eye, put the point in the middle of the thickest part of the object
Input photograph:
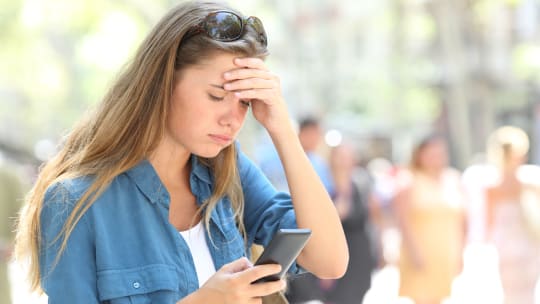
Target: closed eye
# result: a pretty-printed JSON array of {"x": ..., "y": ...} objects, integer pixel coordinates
[{"x": 215, "y": 98}]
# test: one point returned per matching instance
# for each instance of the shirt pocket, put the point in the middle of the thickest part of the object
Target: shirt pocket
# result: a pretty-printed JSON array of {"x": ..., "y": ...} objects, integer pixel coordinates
[
  {"x": 234, "y": 243},
  {"x": 139, "y": 285}
]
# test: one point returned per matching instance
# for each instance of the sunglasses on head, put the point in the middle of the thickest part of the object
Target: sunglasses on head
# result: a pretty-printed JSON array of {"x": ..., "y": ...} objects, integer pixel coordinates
[{"x": 227, "y": 26}]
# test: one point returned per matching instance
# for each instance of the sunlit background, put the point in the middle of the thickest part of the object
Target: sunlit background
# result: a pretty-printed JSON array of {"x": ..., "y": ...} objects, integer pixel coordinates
[
  {"x": 377, "y": 69},
  {"x": 381, "y": 73}
]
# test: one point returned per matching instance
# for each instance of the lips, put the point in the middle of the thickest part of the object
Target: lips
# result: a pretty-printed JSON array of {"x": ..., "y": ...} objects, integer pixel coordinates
[{"x": 220, "y": 138}]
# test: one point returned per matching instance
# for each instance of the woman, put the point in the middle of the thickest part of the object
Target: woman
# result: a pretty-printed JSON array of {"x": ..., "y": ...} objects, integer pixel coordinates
[
  {"x": 352, "y": 200},
  {"x": 507, "y": 225},
  {"x": 151, "y": 201},
  {"x": 432, "y": 220}
]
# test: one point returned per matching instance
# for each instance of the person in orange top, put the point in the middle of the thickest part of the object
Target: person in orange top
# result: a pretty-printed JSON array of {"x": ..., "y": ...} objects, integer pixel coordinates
[{"x": 430, "y": 212}]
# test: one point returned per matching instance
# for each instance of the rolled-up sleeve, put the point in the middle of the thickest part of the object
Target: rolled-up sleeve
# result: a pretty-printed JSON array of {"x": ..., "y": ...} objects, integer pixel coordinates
[{"x": 72, "y": 277}]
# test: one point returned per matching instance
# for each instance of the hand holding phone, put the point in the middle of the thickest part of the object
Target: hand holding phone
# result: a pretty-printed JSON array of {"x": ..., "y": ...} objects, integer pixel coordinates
[{"x": 283, "y": 249}]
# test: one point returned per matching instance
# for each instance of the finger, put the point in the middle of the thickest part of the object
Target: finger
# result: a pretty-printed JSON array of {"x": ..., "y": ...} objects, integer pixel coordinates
[
  {"x": 248, "y": 73},
  {"x": 252, "y": 94},
  {"x": 238, "y": 265},
  {"x": 256, "y": 272},
  {"x": 250, "y": 62},
  {"x": 267, "y": 288},
  {"x": 251, "y": 83}
]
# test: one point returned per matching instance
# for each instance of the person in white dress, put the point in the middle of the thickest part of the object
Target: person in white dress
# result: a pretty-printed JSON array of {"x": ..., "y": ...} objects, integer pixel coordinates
[{"x": 511, "y": 204}]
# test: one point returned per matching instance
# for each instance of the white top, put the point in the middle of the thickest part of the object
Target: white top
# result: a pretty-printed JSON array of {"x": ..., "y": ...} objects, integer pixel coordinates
[{"x": 196, "y": 241}]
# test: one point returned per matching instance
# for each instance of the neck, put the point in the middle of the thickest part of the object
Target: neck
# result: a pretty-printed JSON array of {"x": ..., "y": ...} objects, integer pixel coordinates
[
  {"x": 510, "y": 169},
  {"x": 170, "y": 162},
  {"x": 433, "y": 172},
  {"x": 509, "y": 175}
]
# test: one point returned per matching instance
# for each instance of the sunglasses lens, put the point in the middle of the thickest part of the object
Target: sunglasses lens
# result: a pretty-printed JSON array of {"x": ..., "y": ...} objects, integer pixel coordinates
[
  {"x": 257, "y": 25},
  {"x": 223, "y": 26}
]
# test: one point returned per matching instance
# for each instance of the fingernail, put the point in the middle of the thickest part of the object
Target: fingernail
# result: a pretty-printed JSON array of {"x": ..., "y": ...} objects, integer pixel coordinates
[
  {"x": 227, "y": 75},
  {"x": 226, "y": 86}
]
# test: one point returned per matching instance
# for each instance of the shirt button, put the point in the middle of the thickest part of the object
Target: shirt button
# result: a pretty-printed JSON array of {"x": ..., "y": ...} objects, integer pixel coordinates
[{"x": 136, "y": 285}]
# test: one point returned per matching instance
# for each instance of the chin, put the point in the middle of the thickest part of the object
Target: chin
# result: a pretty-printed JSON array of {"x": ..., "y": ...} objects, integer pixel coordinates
[{"x": 209, "y": 152}]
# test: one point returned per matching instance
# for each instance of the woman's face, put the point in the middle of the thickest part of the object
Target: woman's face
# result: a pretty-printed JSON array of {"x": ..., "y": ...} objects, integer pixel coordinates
[
  {"x": 204, "y": 118},
  {"x": 434, "y": 155}
]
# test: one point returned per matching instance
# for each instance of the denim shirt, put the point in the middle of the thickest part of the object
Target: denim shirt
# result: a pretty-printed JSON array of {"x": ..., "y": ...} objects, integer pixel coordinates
[{"x": 124, "y": 250}]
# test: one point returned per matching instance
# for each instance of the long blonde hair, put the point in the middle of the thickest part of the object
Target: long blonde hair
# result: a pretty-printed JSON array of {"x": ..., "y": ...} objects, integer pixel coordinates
[{"x": 129, "y": 123}]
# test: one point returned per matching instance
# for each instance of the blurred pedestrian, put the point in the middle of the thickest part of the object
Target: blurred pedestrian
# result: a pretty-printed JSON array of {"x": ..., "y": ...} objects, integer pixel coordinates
[
  {"x": 353, "y": 192},
  {"x": 11, "y": 197},
  {"x": 384, "y": 174},
  {"x": 430, "y": 212},
  {"x": 151, "y": 199},
  {"x": 306, "y": 287},
  {"x": 310, "y": 134},
  {"x": 513, "y": 214}
]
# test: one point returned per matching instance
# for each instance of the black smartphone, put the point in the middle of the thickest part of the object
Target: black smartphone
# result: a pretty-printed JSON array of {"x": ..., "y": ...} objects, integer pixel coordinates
[{"x": 283, "y": 249}]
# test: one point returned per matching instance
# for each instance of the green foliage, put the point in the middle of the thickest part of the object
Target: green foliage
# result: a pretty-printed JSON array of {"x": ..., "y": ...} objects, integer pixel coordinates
[
  {"x": 57, "y": 58},
  {"x": 379, "y": 60}
]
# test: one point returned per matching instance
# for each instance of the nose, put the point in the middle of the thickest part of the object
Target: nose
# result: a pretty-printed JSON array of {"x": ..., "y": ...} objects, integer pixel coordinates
[{"x": 233, "y": 113}]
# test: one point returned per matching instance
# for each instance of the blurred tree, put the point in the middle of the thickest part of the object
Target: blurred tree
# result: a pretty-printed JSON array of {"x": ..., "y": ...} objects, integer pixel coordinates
[{"x": 393, "y": 67}]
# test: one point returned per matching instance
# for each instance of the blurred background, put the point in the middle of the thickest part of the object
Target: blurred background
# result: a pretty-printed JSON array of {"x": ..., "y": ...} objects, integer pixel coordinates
[
  {"x": 381, "y": 70},
  {"x": 379, "y": 73}
]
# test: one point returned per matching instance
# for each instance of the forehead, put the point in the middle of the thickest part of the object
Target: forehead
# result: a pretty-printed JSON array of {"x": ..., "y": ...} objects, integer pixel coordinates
[
  {"x": 435, "y": 146},
  {"x": 211, "y": 68}
]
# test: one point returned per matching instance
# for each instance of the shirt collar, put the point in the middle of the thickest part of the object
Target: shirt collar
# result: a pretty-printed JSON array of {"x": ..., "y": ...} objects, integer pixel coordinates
[
  {"x": 147, "y": 180},
  {"x": 200, "y": 170},
  {"x": 145, "y": 177}
]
